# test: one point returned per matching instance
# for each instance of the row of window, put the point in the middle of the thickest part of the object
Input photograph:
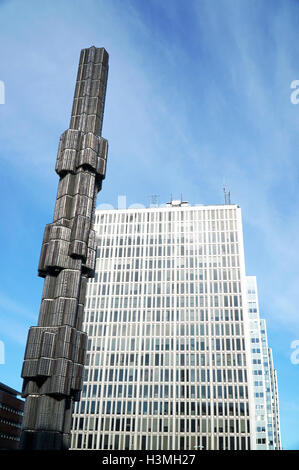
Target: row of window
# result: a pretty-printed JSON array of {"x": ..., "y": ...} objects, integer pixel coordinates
[
  {"x": 194, "y": 375},
  {"x": 171, "y": 238},
  {"x": 166, "y": 391},
  {"x": 161, "y": 425},
  {"x": 191, "y": 257},
  {"x": 128, "y": 407},
  {"x": 103, "y": 276},
  {"x": 171, "y": 329},
  {"x": 152, "y": 218},
  {"x": 10, "y": 423},
  {"x": 170, "y": 228},
  {"x": 127, "y": 316},
  {"x": 165, "y": 301},
  {"x": 164, "y": 344},
  {"x": 152, "y": 442},
  {"x": 165, "y": 375},
  {"x": 157, "y": 288},
  {"x": 167, "y": 359},
  {"x": 5, "y": 407},
  {"x": 191, "y": 359},
  {"x": 185, "y": 359},
  {"x": 3, "y": 435},
  {"x": 166, "y": 238},
  {"x": 261, "y": 441},
  {"x": 166, "y": 212},
  {"x": 229, "y": 261}
]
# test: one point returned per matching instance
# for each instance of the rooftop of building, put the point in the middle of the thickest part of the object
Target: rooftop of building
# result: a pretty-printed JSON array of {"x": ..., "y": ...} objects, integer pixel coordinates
[
  {"x": 9, "y": 390},
  {"x": 121, "y": 206}
]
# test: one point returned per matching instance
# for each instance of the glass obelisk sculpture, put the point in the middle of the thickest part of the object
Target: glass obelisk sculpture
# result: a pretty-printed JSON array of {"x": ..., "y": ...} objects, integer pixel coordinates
[{"x": 55, "y": 352}]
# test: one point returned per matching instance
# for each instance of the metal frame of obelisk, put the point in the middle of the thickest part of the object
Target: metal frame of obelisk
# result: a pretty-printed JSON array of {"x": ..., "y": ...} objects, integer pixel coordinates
[{"x": 56, "y": 348}]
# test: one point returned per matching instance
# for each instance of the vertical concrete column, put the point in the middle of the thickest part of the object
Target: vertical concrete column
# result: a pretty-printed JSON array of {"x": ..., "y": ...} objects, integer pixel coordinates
[{"x": 55, "y": 352}]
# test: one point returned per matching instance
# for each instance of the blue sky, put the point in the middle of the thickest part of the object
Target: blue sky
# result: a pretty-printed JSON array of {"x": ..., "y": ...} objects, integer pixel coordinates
[{"x": 198, "y": 96}]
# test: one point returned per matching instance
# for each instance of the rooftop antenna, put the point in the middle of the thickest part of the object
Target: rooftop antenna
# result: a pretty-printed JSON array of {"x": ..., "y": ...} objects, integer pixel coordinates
[
  {"x": 226, "y": 196},
  {"x": 154, "y": 200}
]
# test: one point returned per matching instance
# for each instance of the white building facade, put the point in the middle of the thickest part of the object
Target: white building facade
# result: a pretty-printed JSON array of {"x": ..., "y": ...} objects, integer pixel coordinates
[
  {"x": 264, "y": 377},
  {"x": 169, "y": 354}
]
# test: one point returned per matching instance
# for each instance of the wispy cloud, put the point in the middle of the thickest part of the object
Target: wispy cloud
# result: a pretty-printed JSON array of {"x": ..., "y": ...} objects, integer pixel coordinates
[
  {"x": 198, "y": 95},
  {"x": 15, "y": 320},
  {"x": 14, "y": 331},
  {"x": 9, "y": 305}
]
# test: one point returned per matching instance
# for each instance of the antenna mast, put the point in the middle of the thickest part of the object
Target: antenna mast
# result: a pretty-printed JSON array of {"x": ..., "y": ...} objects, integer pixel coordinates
[{"x": 227, "y": 200}]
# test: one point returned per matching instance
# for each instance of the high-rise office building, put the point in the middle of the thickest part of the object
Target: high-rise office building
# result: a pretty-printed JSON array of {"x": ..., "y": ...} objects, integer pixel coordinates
[
  {"x": 169, "y": 362},
  {"x": 264, "y": 377}
]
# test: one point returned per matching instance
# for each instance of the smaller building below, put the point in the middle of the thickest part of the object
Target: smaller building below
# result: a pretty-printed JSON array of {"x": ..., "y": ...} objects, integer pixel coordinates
[{"x": 11, "y": 416}]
